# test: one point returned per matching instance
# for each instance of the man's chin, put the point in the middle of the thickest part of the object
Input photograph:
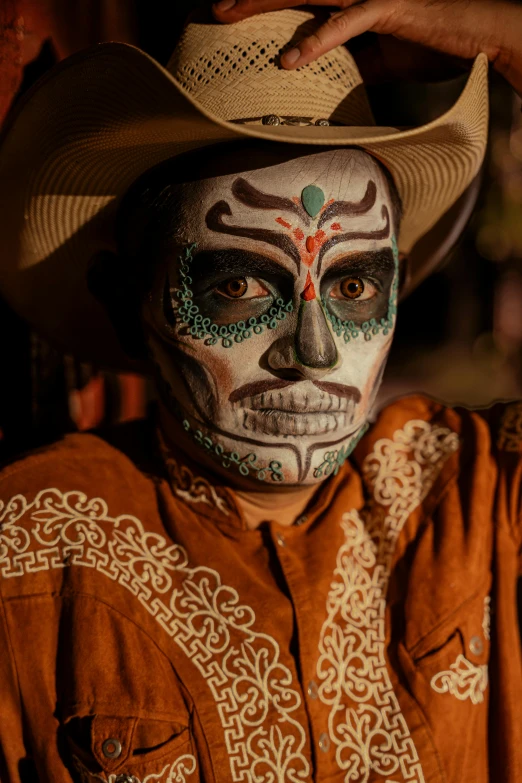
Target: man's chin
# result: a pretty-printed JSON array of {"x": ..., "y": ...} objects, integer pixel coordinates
[{"x": 292, "y": 457}]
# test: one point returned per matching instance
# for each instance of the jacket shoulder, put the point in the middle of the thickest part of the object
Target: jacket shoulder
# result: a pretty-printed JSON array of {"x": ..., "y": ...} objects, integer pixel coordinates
[
  {"x": 84, "y": 461},
  {"x": 60, "y": 505},
  {"x": 418, "y": 418}
]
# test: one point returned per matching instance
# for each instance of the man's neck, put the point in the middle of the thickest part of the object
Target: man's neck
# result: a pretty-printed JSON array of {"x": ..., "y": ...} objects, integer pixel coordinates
[{"x": 285, "y": 507}]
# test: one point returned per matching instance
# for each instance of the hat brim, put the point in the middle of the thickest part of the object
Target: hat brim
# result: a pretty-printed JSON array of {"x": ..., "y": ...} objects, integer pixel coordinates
[{"x": 104, "y": 116}]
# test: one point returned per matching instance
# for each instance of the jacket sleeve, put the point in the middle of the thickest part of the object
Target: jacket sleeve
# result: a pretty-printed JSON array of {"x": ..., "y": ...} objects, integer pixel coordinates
[{"x": 15, "y": 764}]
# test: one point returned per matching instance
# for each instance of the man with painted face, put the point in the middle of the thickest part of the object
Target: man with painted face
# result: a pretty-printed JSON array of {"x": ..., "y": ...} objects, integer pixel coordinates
[
  {"x": 269, "y": 582},
  {"x": 272, "y": 308}
]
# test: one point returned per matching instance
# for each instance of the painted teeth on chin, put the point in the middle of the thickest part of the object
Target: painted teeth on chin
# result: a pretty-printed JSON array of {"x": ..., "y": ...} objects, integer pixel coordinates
[{"x": 273, "y": 422}]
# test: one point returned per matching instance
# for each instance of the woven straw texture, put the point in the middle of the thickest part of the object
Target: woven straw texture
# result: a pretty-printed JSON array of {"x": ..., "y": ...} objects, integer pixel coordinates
[
  {"x": 231, "y": 69},
  {"x": 104, "y": 116}
]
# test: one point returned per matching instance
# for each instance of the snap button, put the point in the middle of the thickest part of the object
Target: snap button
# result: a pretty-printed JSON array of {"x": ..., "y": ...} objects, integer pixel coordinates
[
  {"x": 312, "y": 689},
  {"x": 111, "y": 748},
  {"x": 301, "y": 520},
  {"x": 280, "y": 539},
  {"x": 476, "y": 645},
  {"x": 324, "y": 742},
  {"x": 125, "y": 778}
]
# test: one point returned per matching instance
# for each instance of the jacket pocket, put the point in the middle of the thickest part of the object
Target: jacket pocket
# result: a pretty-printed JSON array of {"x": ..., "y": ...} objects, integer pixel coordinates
[
  {"x": 447, "y": 672},
  {"x": 454, "y": 657},
  {"x": 130, "y": 750}
]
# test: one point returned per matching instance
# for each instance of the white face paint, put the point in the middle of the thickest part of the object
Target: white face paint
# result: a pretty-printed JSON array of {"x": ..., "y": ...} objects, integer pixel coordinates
[{"x": 272, "y": 334}]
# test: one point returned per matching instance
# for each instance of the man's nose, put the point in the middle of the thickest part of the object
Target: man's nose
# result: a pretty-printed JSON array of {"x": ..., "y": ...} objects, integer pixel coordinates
[{"x": 312, "y": 353}]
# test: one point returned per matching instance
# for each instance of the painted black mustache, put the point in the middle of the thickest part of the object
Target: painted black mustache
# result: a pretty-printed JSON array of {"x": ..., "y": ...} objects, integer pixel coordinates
[{"x": 260, "y": 387}]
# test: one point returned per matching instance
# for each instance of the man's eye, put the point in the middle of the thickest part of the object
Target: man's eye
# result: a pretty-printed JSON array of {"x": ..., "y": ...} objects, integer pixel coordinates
[
  {"x": 353, "y": 288},
  {"x": 242, "y": 288}
]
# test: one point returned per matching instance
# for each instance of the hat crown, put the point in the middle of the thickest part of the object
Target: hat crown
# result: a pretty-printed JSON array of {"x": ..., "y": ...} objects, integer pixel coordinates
[{"x": 231, "y": 70}]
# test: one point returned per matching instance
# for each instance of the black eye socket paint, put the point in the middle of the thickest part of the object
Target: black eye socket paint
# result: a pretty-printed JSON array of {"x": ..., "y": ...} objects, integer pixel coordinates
[
  {"x": 376, "y": 266},
  {"x": 210, "y": 268}
]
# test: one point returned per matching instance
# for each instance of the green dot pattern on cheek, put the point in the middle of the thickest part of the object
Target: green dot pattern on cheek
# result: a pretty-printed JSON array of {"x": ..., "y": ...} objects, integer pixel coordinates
[
  {"x": 350, "y": 331},
  {"x": 333, "y": 460},
  {"x": 246, "y": 465},
  {"x": 205, "y": 329}
]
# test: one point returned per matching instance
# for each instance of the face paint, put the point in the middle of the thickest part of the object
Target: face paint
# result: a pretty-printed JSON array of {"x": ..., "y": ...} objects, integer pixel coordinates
[
  {"x": 271, "y": 320},
  {"x": 203, "y": 327}
]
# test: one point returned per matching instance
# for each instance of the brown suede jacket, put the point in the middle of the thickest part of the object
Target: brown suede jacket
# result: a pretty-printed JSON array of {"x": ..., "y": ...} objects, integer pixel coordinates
[{"x": 147, "y": 635}]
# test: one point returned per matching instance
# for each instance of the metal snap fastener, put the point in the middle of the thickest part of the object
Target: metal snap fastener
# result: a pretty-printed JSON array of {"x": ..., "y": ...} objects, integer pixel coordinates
[
  {"x": 271, "y": 119},
  {"x": 312, "y": 689},
  {"x": 125, "y": 778},
  {"x": 301, "y": 520},
  {"x": 111, "y": 748},
  {"x": 280, "y": 539},
  {"x": 322, "y": 122},
  {"x": 476, "y": 645},
  {"x": 324, "y": 742}
]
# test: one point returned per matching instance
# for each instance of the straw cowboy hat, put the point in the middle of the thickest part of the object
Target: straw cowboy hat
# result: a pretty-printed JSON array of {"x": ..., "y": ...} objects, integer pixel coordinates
[{"x": 104, "y": 116}]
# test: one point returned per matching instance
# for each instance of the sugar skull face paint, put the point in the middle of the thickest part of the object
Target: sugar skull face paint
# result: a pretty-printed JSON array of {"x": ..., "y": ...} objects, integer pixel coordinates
[{"x": 271, "y": 318}]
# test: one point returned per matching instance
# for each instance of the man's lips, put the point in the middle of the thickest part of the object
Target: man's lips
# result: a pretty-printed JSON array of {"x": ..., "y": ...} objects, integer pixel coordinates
[{"x": 299, "y": 397}]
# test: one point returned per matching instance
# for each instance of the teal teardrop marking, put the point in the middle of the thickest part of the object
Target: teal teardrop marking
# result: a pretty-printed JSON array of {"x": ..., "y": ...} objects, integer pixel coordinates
[{"x": 312, "y": 199}]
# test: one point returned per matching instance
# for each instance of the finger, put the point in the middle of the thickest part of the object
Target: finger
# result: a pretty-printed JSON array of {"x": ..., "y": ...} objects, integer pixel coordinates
[
  {"x": 339, "y": 29},
  {"x": 236, "y": 10}
]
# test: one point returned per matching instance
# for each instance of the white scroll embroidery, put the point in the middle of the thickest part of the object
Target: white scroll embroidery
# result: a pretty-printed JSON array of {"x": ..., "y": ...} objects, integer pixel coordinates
[
  {"x": 190, "y": 488},
  {"x": 366, "y": 725},
  {"x": 193, "y": 489},
  {"x": 205, "y": 618},
  {"x": 171, "y": 773},
  {"x": 463, "y": 679}
]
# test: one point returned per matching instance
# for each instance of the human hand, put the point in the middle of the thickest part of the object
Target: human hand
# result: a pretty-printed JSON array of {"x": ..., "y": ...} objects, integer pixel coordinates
[{"x": 461, "y": 28}]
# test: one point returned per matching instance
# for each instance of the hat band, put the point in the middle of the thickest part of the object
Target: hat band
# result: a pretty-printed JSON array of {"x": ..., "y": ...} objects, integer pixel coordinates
[{"x": 276, "y": 119}]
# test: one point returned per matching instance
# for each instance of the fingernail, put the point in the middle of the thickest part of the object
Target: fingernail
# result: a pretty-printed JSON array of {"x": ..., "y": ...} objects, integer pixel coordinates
[
  {"x": 291, "y": 57},
  {"x": 225, "y": 5}
]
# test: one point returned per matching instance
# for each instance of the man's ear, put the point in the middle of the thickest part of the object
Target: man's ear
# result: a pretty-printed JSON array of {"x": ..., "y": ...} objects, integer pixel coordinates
[
  {"x": 404, "y": 274},
  {"x": 109, "y": 282}
]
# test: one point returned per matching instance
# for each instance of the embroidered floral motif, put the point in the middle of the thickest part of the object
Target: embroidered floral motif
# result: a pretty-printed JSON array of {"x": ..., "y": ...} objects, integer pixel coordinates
[
  {"x": 188, "y": 487},
  {"x": 171, "y": 773},
  {"x": 366, "y": 725},
  {"x": 486, "y": 621},
  {"x": 510, "y": 431},
  {"x": 204, "y": 617},
  {"x": 463, "y": 679}
]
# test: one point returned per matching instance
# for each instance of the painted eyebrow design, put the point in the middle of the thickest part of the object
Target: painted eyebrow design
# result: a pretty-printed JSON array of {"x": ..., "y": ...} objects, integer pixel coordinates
[
  {"x": 214, "y": 221},
  {"x": 350, "y": 208},
  {"x": 210, "y": 266},
  {"x": 380, "y": 233},
  {"x": 249, "y": 195}
]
